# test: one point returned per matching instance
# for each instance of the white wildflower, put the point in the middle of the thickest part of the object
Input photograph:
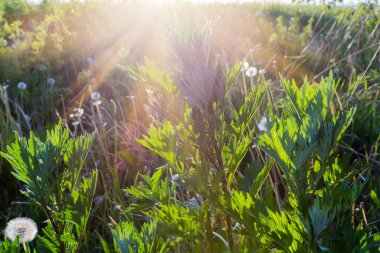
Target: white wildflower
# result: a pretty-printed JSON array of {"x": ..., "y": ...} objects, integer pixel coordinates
[
  {"x": 51, "y": 81},
  {"x": 244, "y": 67},
  {"x": 21, "y": 86},
  {"x": 263, "y": 124},
  {"x": 5, "y": 43},
  {"x": 25, "y": 228},
  {"x": 251, "y": 72},
  {"x": 262, "y": 71}
]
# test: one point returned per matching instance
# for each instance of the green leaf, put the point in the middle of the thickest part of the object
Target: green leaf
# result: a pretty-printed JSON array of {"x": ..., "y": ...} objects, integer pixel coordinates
[
  {"x": 162, "y": 141},
  {"x": 261, "y": 177}
]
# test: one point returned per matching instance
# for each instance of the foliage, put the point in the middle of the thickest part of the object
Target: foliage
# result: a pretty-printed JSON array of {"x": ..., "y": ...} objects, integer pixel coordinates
[
  {"x": 51, "y": 172},
  {"x": 129, "y": 239},
  {"x": 10, "y": 247}
]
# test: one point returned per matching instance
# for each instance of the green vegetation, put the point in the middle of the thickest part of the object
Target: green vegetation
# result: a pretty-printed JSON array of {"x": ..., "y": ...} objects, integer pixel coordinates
[{"x": 138, "y": 127}]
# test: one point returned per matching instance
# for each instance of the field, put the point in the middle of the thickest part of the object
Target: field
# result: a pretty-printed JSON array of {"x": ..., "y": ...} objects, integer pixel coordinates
[{"x": 132, "y": 126}]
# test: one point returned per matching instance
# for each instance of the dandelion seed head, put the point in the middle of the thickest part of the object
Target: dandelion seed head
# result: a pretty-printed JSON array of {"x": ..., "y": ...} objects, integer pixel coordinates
[
  {"x": 192, "y": 203},
  {"x": 148, "y": 91},
  {"x": 176, "y": 179},
  {"x": 90, "y": 61},
  {"x": 244, "y": 67},
  {"x": 43, "y": 68},
  {"x": 251, "y": 72},
  {"x": 263, "y": 124},
  {"x": 25, "y": 228},
  {"x": 147, "y": 109},
  {"x": 262, "y": 71},
  {"x": 78, "y": 112},
  {"x": 95, "y": 95},
  {"x": 75, "y": 123},
  {"x": 21, "y": 86},
  {"x": 95, "y": 98},
  {"x": 51, "y": 81}
]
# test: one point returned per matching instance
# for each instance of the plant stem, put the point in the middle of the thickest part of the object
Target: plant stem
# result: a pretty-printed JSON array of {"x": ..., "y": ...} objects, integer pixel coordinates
[
  {"x": 209, "y": 232},
  {"x": 229, "y": 234},
  {"x": 25, "y": 248}
]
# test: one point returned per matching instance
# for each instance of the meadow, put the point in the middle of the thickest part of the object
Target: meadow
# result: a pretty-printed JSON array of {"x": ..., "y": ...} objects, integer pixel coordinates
[{"x": 137, "y": 126}]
